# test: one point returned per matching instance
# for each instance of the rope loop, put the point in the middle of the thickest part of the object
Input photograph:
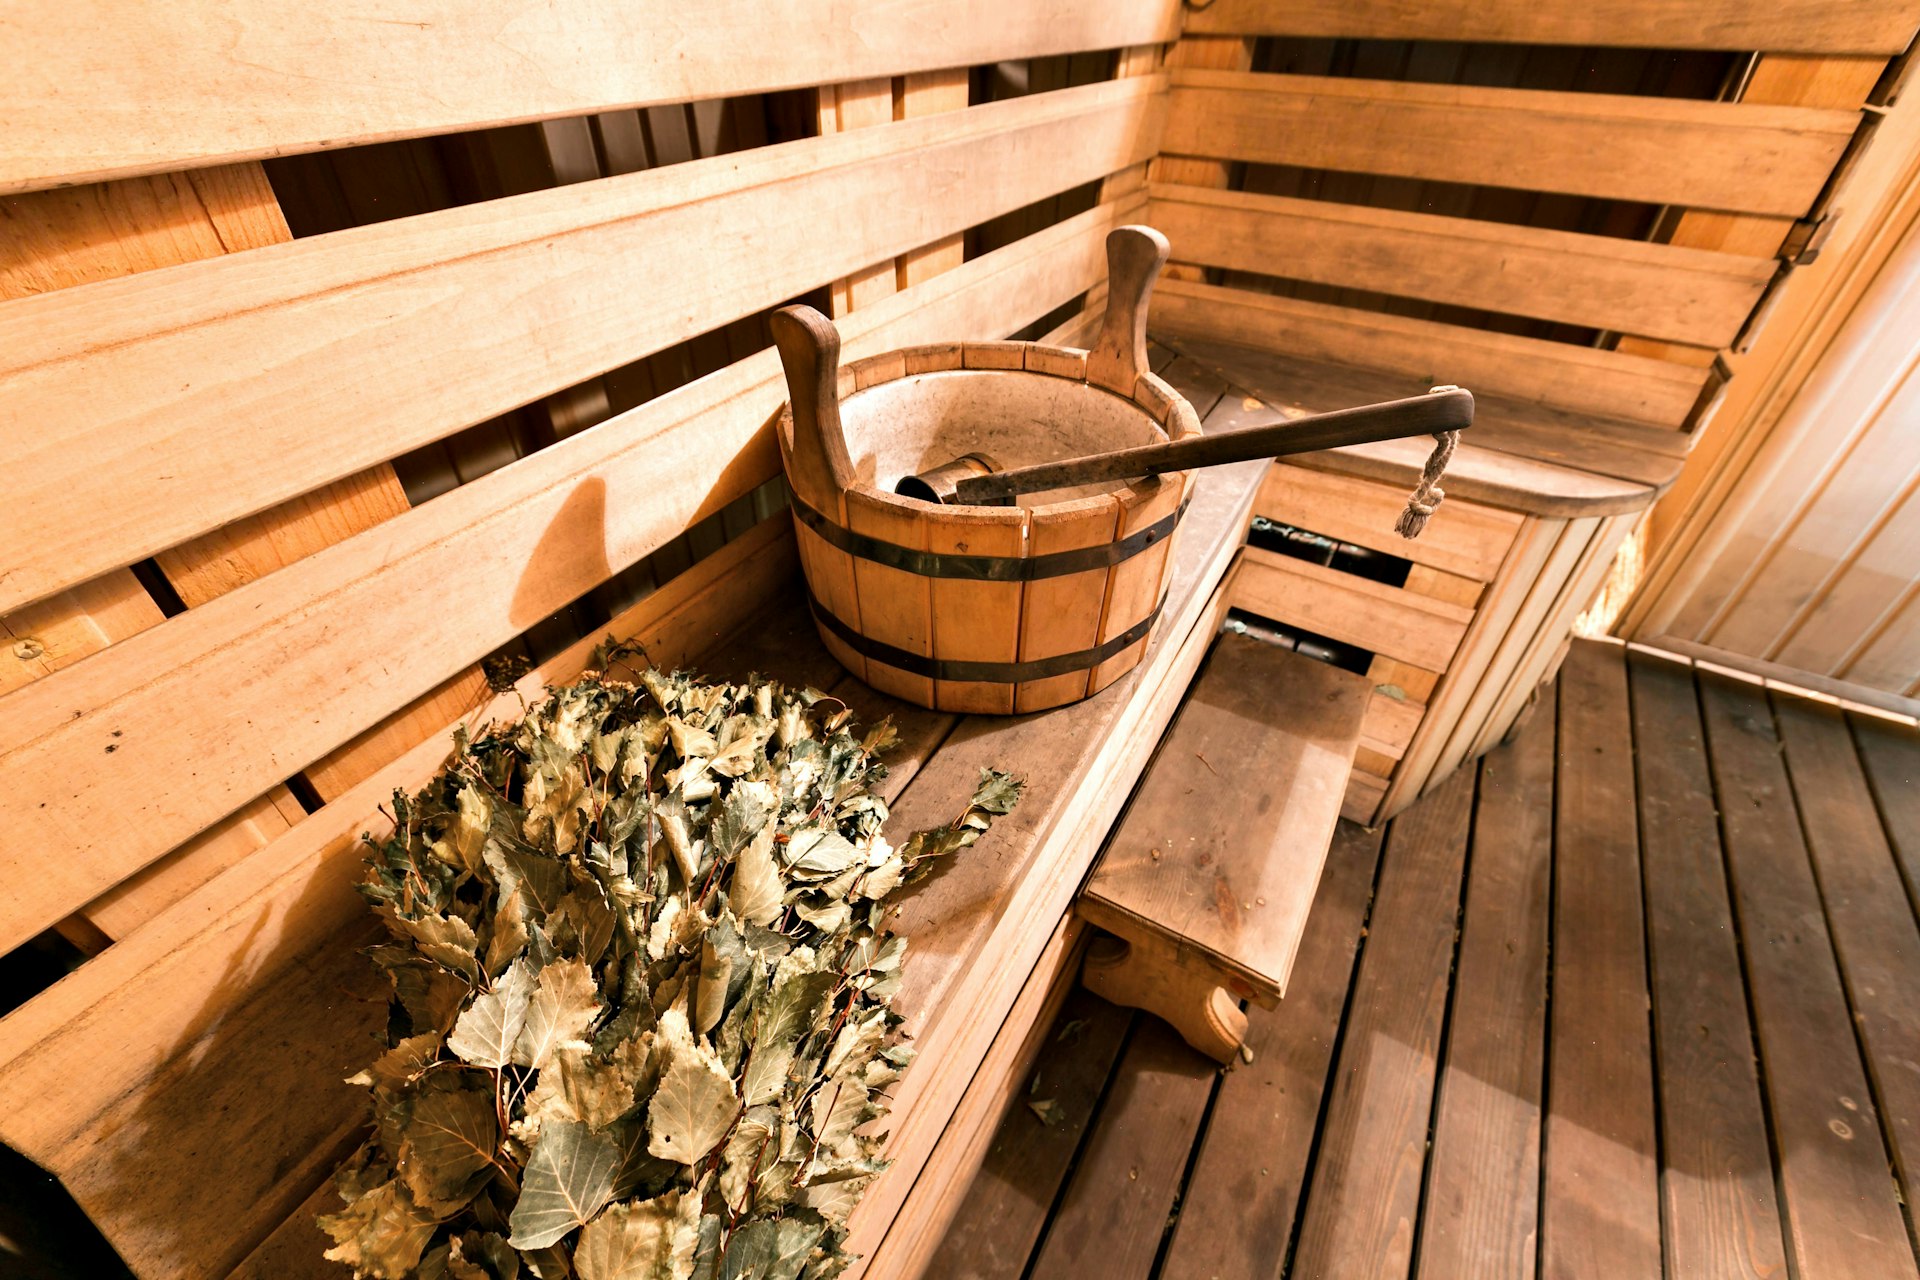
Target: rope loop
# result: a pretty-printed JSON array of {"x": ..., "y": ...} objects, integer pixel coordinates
[{"x": 1427, "y": 495}]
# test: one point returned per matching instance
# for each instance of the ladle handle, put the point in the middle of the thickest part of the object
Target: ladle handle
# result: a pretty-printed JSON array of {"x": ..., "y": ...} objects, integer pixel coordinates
[
  {"x": 1118, "y": 356},
  {"x": 1442, "y": 409},
  {"x": 818, "y": 465}
]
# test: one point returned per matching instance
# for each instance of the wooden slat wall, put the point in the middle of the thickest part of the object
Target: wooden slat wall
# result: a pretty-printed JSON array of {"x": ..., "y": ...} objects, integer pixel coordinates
[
  {"x": 1810, "y": 26},
  {"x": 550, "y": 529},
  {"x": 307, "y": 82},
  {"x": 394, "y": 335}
]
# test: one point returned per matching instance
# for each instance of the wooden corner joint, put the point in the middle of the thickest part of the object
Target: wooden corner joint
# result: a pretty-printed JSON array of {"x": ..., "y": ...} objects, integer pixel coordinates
[{"x": 1178, "y": 984}]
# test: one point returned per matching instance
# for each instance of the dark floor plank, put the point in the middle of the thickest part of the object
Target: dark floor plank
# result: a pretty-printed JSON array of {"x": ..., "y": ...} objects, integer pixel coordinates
[
  {"x": 1114, "y": 1213},
  {"x": 1482, "y": 1203},
  {"x": 1891, "y": 754},
  {"x": 1005, "y": 1212},
  {"x": 1237, "y": 1214},
  {"x": 1364, "y": 1190},
  {"x": 1716, "y": 1179},
  {"x": 1600, "y": 1205},
  {"x": 1867, "y": 911},
  {"x": 1838, "y": 1200}
]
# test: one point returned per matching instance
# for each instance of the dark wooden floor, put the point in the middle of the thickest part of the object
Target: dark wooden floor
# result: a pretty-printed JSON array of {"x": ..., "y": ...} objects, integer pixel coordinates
[{"x": 1637, "y": 996}]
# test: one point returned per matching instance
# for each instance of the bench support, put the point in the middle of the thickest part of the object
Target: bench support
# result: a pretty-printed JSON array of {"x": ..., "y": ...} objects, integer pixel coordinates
[{"x": 1150, "y": 972}]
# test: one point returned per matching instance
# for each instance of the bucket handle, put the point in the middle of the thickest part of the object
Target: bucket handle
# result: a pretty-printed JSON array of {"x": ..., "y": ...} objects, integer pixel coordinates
[
  {"x": 818, "y": 464},
  {"x": 1118, "y": 356}
]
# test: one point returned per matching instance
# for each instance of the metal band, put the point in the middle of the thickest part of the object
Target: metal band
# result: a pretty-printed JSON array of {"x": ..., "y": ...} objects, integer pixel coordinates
[
  {"x": 993, "y": 672},
  {"x": 936, "y": 564}
]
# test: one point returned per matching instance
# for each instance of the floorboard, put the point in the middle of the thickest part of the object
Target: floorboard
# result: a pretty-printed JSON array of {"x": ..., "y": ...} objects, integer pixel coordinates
[
  {"x": 1716, "y": 1180},
  {"x": 1600, "y": 1200},
  {"x": 1482, "y": 1204},
  {"x": 1365, "y": 1192},
  {"x": 1637, "y": 995}
]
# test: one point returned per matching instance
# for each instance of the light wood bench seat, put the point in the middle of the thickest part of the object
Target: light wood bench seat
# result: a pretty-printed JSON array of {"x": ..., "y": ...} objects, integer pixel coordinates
[{"x": 1206, "y": 882}]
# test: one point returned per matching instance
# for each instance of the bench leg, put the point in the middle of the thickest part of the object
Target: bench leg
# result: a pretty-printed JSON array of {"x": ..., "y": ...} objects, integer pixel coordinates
[{"x": 1153, "y": 975}]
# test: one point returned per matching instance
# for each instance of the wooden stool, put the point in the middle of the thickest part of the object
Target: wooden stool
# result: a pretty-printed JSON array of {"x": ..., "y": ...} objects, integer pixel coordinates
[{"x": 1206, "y": 882}]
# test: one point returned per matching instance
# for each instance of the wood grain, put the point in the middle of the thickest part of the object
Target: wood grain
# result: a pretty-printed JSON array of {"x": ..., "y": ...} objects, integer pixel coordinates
[
  {"x": 1839, "y": 1205},
  {"x": 1600, "y": 1194},
  {"x": 1805, "y": 26},
  {"x": 1251, "y": 1168},
  {"x": 1008, "y": 1202},
  {"x": 1383, "y": 619},
  {"x": 1365, "y": 1195},
  {"x": 1730, "y": 156},
  {"x": 1868, "y": 912},
  {"x": 1269, "y": 737},
  {"x": 1463, "y": 537},
  {"x": 368, "y": 342},
  {"x": 551, "y": 527},
  {"x": 1481, "y": 1214},
  {"x": 1721, "y": 1215},
  {"x": 1665, "y": 291},
  {"x": 1605, "y": 384},
  {"x": 387, "y": 70},
  {"x": 1115, "y": 1209}
]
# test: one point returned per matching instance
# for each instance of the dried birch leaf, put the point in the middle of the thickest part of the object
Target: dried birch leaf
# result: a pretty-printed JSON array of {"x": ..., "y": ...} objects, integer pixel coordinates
[
  {"x": 485, "y": 1034},
  {"x": 562, "y": 1008},
  {"x": 695, "y": 1103},
  {"x": 569, "y": 1178}
]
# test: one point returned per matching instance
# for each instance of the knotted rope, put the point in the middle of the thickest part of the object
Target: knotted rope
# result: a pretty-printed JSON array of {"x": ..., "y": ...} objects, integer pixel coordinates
[{"x": 1426, "y": 495}]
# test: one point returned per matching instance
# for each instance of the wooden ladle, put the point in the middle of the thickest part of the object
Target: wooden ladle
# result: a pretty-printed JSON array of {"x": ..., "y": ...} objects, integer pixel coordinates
[{"x": 976, "y": 483}]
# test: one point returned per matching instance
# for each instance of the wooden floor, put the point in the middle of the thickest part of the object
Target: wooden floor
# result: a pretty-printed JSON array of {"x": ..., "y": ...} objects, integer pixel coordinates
[{"x": 1636, "y": 996}]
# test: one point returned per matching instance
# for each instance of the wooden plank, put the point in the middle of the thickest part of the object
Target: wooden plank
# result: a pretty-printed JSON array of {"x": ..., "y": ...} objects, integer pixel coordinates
[
  {"x": 1481, "y": 1214},
  {"x": 1270, "y": 736},
  {"x": 480, "y": 65},
  {"x": 1115, "y": 1209},
  {"x": 1890, "y": 753},
  {"x": 1576, "y": 379},
  {"x": 1840, "y": 1207},
  {"x": 510, "y": 548},
  {"x": 1721, "y": 1218},
  {"x": 1400, "y": 624},
  {"x": 1868, "y": 913},
  {"x": 1600, "y": 1194},
  {"x": 1364, "y": 795},
  {"x": 131, "y": 1043},
  {"x": 860, "y": 104},
  {"x": 368, "y": 342},
  {"x": 1804, "y": 26},
  {"x": 1447, "y": 702},
  {"x": 62, "y": 629},
  {"x": 1732, "y": 156},
  {"x": 1532, "y": 637},
  {"x": 1009, "y": 1200},
  {"x": 1462, "y": 537},
  {"x": 1230, "y": 54},
  {"x": 1365, "y": 1194},
  {"x": 1008, "y": 1075},
  {"x": 1252, "y": 1163},
  {"x": 928, "y": 93},
  {"x": 1629, "y": 286}
]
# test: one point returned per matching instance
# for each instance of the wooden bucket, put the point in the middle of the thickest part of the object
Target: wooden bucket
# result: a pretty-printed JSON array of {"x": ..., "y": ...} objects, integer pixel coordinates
[{"x": 984, "y": 609}]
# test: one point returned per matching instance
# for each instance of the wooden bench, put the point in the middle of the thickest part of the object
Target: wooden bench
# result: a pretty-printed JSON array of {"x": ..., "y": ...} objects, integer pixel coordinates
[{"x": 1206, "y": 882}]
